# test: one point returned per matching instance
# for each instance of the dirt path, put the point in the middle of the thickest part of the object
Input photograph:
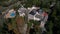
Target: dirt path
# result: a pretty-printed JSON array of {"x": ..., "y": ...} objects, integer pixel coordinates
[{"x": 21, "y": 25}]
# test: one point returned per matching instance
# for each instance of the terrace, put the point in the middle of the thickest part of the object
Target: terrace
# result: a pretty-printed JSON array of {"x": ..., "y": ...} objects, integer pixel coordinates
[{"x": 10, "y": 14}]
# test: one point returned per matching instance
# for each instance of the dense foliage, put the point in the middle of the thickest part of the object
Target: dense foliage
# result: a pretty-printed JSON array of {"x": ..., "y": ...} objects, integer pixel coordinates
[{"x": 53, "y": 23}]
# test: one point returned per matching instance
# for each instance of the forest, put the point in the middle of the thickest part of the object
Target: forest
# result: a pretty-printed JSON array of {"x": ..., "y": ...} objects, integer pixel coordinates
[{"x": 52, "y": 25}]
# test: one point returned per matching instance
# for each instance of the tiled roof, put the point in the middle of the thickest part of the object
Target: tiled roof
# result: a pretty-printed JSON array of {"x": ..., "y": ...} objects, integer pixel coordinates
[
  {"x": 38, "y": 16},
  {"x": 22, "y": 10}
]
